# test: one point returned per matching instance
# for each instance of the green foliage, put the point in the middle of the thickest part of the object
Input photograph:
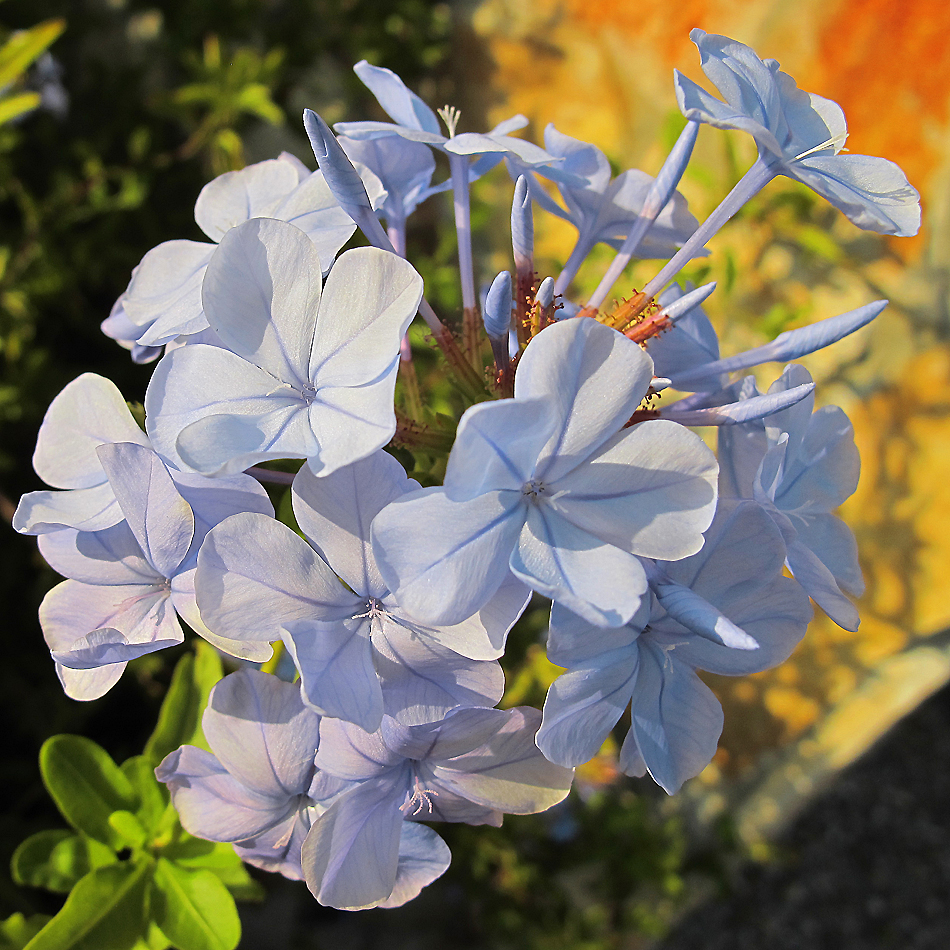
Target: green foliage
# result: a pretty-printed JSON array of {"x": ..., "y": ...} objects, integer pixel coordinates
[
  {"x": 17, "y": 931},
  {"x": 17, "y": 54},
  {"x": 179, "y": 722},
  {"x": 194, "y": 909},
  {"x": 134, "y": 877}
]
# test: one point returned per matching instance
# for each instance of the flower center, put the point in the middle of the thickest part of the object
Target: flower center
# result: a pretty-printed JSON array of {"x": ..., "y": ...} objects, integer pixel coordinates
[
  {"x": 534, "y": 489},
  {"x": 374, "y": 610},
  {"x": 419, "y": 798}
]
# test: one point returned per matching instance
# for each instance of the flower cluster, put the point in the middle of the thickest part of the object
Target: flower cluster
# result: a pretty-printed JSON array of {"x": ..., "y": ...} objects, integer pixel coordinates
[{"x": 564, "y": 479}]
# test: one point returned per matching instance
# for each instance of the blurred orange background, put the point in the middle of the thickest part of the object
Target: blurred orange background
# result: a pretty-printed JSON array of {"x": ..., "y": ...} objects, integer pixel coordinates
[{"x": 601, "y": 71}]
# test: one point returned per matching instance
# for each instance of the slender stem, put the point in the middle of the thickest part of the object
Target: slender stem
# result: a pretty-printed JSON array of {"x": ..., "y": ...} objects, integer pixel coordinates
[
  {"x": 572, "y": 266},
  {"x": 626, "y": 252},
  {"x": 751, "y": 183},
  {"x": 396, "y": 231},
  {"x": 409, "y": 379},
  {"x": 463, "y": 227},
  {"x": 471, "y": 318}
]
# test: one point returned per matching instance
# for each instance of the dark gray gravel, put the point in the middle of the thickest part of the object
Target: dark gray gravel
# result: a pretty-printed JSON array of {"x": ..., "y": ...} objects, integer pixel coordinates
[{"x": 865, "y": 867}]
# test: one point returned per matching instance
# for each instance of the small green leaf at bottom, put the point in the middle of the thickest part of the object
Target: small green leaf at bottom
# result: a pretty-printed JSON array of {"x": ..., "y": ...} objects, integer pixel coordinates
[
  {"x": 57, "y": 859},
  {"x": 194, "y": 909},
  {"x": 105, "y": 911}
]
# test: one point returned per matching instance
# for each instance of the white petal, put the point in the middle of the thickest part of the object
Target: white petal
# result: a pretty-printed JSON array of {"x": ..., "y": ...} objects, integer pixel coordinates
[
  {"x": 85, "y": 509},
  {"x": 370, "y": 297},
  {"x": 335, "y": 513},
  {"x": 443, "y": 560},
  {"x": 651, "y": 491},
  {"x": 234, "y": 197},
  {"x": 261, "y": 293},
  {"x": 596, "y": 580},
  {"x": 255, "y": 575},
  {"x": 160, "y": 519},
  {"x": 593, "y": 377},
  {"x": 164, "y": 294},
  {"x": 88, "y": 413},
  {"x": 262, "y": 733},
  {"x": 351, "y": 855}
]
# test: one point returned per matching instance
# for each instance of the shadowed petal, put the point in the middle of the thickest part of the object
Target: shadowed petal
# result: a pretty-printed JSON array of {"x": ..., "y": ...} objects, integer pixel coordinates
[
  {"x": 255, "y": 576},
  {"x": 262, "y": 733},
  {"x": 337, "y": 675},
  {"x": 351, "y": 855},
  {"x": 676, "y": 720},
  {"x": 464, "y": 558}
]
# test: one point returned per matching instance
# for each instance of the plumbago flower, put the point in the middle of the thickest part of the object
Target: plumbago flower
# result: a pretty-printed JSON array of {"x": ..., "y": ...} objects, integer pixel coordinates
[
  {"x": 550, "y": 486},
  {"x": 731, "y": 589},
  {"x": 258, "y": 788},
  {"x": 163, "y": 299},
  {"x": 393, "y": 600},
  {"x": 472, "y": 767},
  {"x": 801, "y": 465},
  {"x": 129, "y": 583},
  {"x": 799, "y": 134},
  {"x": 309, "y": 370},
  {"x": 603, "y": 208},
  {"x": 88, "y": 413},
  {"x": 359, "y": 652}
]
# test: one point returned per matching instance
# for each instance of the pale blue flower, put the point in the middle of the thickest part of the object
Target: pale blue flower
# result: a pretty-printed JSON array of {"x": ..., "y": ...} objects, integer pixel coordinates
[
  {"x": 603, "y": 208},
  {"x": 163, "y": 298},
  {"x": 549, "y": 485},
  {"x": 809, "y": 468},
  {"x": 129, "y": 583},
  {"x": 258, "y": 787},
  {"x": 89, "y": 412},
  {"x": 472, "y": 767},
  {"x": 360, "y": 654},
  {"x": 309, "y": 370},
  {"x": 799, "y": 134},
  {"x": 732, "y": 589},
  {"x": 254, "y": 787},
  {"x": 415, "y": 121}
]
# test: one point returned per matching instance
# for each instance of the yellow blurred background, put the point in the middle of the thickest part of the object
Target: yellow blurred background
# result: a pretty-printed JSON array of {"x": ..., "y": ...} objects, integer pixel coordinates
[{"x": 601, "y": 71}]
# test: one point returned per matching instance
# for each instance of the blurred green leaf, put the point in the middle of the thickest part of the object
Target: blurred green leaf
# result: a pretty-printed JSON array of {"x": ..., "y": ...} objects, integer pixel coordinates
[
  {"x": 57, "y": 859},
  {"x": 86, "y": 785},
  {"x": 105, "y": 911},
  {"x": 194, "y": 909},
  {"x": 17, "y": 931},
  {"x": 23, "y": 47},
  {"x": 192, "y": 853},
  {"x": 179, "y": 720},
  {"x": 12, "y": 106},
  {"x": 153, "y": 796},
  {"x": 129, "y": 829}
]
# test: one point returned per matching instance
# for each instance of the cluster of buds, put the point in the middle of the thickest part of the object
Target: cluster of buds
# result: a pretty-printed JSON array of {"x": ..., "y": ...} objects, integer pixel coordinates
[{"x": 564, "y": 479}]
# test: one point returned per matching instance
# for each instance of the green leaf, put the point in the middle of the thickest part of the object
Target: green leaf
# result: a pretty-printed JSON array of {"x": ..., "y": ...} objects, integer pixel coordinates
[
  {"x": 194, "y": 909},
  {"x": 12, "y": 106},
  {"x": 179, "y": 721},
  {"x": 155, "y": 940},
  {"x": 220, "y": 857},
  {"x": 152, "y": 794},
  {"x": 129, "y": 829},
  {"x": 105, "y": 911},
  {"x": 86, "y": 785},
  {"x": 29, "y": 865},
  {"x": 56, "y": 860},
  {"x": 17, "y": 931},
  {"x": 23, "y": 47}
]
